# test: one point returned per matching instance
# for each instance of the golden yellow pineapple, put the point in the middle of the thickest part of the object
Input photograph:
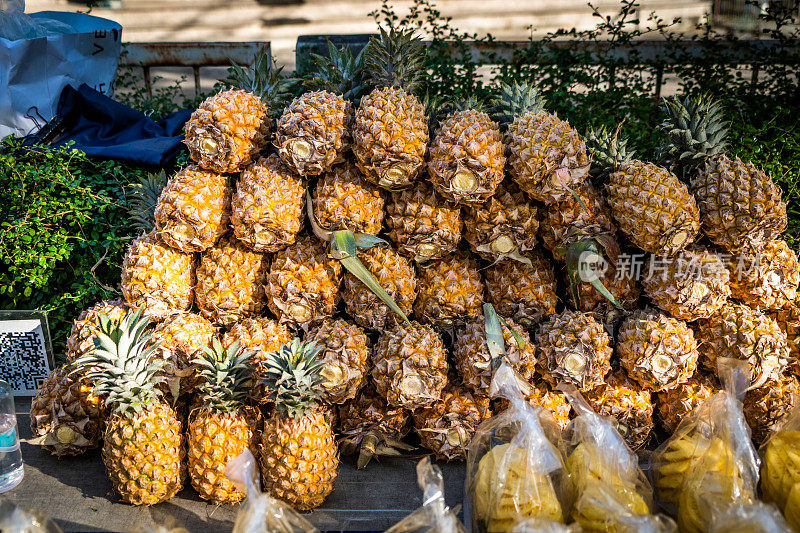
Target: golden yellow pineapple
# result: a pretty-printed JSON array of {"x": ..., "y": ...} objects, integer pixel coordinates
[
  {"x": 657, "y": 351},
  {"x": 474, "y": 361},
  {"x": 231, "y": 282},
  {"x": 143, "y": 443},
  {"x": 86, "y": 326},
  {"x": 467, "y": 159},
  {"x": 157, "y": 277},
  {"x": 631, "y": 407},
  {"x": 394, "y": 273},
  {"x": 303, "y": 284},
  {"x": 66, "y": 416},
  {"x": 390, "y": 132},
  {"x": 447, "y": 427},
  {"x": 344, "y": 351},
  {"x": 221, "y": 427},
  {"x": 546, "y": 157},
  {"x": 421, "y": 224},
  {"x": 194, "y": 209},
  {"x": 344, "y": 199},
  {"x": 450, "y": 290},
  {"x": 573, "y": 347},
  {"x": 673, "y": 405},
  {"x": 298, "y": 452},
  {"x": 521, "y": 291},
  {"x": 267, "y": 207},
  {"x": 765, "y": 276},
  {"x": 551, "y": 400},
  {"x": 766, "y": 407},
  {"x": 410, "y": 365},
  {"x": 691, "y": 285}
]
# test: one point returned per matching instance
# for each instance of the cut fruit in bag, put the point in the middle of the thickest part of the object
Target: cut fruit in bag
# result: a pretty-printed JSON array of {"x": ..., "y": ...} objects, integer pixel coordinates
[
  {"x": 434, "y": 516},
  {"x": 780, "y": 468},
  {"x": 755, "y": 517},
  {"x": 709, "y": 465},
  {"x": 260, "y": 512},
  {"x": 542, "y": 525}
]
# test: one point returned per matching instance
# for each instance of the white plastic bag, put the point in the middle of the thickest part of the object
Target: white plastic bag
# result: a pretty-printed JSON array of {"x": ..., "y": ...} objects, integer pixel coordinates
[
  {"x": 750, "y": 518},
  {"x": 15, "y": 519},
  {"x": 15, "y": 24}
]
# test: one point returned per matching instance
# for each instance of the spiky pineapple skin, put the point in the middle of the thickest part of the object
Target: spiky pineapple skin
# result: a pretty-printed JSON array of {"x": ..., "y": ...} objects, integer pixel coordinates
[
  {"x": 180, "y": 338},
  {"x": 422, "y": 225},
  {"x": 65, "y": 407},
  {"x": 739, "y": 204},
  {"x": 260, "y": 335},
  {"x": 673, "y": 405},
  {"x": 765, "y": 276},
  {"x": 525, "y": 293},
  {"x": 194, "y": 209},
  {"x": 466, "y": 158},
  {"x": 313, "y": 132},
  {"x": 630, "y": 406},
  {"x": 766, "y": 407},
  {"x": 345, "y": 349},
  {"x": 268, "y": 205},
  {"x": 622, "y": 285},
  {"x": 369, "y": 412},
  {"x": 237, "y": 122},
  {"x": 144, "y": 455},
  {"x": 788, "y": 319},
  {"x": 303, "y": 283},
  {"x": 230, "y": 282},
  {"x": 157, "y": 277},
  {"x": 390, "y": 137},
  {"x": 395, "y": 274},
  {"x": 298, "y": 459},
  {"x": 343, "y": 198},
  {"x": 410, "y": 365},
  {"x": 450, "y": 291},
  {"x": 86, "y": 326}
]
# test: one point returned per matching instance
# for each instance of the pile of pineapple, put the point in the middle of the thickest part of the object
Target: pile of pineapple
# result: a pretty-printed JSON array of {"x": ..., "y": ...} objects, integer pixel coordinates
[{"x": 247, "y": 320}]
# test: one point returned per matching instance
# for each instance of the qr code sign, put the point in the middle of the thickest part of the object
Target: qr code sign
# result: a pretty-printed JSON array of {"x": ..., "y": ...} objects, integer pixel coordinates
[{"x": 23, "y": 356}]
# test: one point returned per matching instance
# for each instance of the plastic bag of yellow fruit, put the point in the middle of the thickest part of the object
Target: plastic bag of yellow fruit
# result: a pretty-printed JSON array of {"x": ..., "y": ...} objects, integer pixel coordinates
[
  {"x": 780, "y": 468},
  {"x": 709, "y": 465},
  {"x": 543, "y": 525},
  {"x": 756, "y": 517},
  {"x": 434, "y": 516},
  {"x": 260, "y": 512}
]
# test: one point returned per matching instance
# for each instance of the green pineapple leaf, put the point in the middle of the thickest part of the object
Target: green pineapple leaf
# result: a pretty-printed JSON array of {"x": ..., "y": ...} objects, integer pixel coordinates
[{"x": 141, "y": 200}]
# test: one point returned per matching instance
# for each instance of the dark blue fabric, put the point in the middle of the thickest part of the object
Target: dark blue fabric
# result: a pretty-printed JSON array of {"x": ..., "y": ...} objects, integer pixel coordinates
[{"x": 106, "y": 129}]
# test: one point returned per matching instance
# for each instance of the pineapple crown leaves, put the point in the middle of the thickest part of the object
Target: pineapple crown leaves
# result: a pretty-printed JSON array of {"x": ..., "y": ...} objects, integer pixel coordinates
[
  {"x": 373, "y": 443},
  {"x": 609, "y": 151},
  {"x": 493, "y": 325},
  {"x": 142, "y": 198},
  {"x": 396, "y": 59},
  {"x": 696, "y": 129},
  {"x": 515, "y": 100},
  {"x": 584, "y": 258},
  {"x": 120, "y": 364},
  {"x": 264, "y": 79},
  {"x": 340, "y": 72},
  {"x": 226, "y": 376},
  {"x": 293, "y": 376}
]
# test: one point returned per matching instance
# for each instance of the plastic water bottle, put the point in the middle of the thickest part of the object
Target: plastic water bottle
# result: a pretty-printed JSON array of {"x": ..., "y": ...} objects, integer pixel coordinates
[{"x": 11, "y": 469}]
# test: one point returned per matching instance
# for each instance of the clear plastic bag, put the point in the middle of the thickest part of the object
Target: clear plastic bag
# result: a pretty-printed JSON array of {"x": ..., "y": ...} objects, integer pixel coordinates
[
  {"x": 750, "y": 518},
  {"x": 542, "y": 525},
  {"x": 434, "y": 516},
  {"x": 514, "y": 464},
  {"x": 709, "y": 464},
  {"x": 15, "y": 519},
  {"x": 780, "y": 468},
  {"x": 15, "y": 24},
  {"x": 260, "y": 512}
]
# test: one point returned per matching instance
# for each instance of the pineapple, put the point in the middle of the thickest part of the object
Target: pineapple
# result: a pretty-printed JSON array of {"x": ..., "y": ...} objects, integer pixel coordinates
[
  {"x": 344, "y": 199},
  {"x": 304, "y": 283},
  {"x": 552, "y": 401},
  {"x": 194, "y": 209},
  {"x": 573, "y": 347},
  {"x": 410, "y": 365},
  {"x": 766, "y": 407},
  {"x": 228, "y": 130},
  {"x": 298, "y": 453},
  {"x": 66, "y": 416},
  {"x": 267, "y": 207},
  {"x": 651, "y": 205},
  {"x": 657, "y": 351},
  {"x": 231, "y": 282},
  {"x": 780, "y": 473},
  {"x": 788, "y": 319},
  {"x": 86, "y": 326},
  {"x": 371, "y": 428},
  {"x": 157, "y": 277},
  {"x": 394, "y": 273},
  {"x": 447, "y": 427},
  {"x": 692, "y": 285},
  {"x": 619, "y": 282},
  {"x": 631, "y": 407},
  {"x": 739, "y": 205},
  {"x": 765, "y": 277},
  {"x": 525, "y": 292},
  {"x": 475, "y": 362},
  {"x": 546, "y": 157},
  {"x": 673, "y": 405},
  {"x": 141, "y": 200},
  {"x": 222, "y": 426},
  {"x": 344, "y": 350},
  {"x": 450, "y": 291},
  {"x": 143, "y": 440},
  {"x": 739, "y": 332},
  {"x": 421, "y": 224},
  {"x": 390, "y": 132},
  {"x": 504, "y": 226},
  {"x": 467, "y": 159}
]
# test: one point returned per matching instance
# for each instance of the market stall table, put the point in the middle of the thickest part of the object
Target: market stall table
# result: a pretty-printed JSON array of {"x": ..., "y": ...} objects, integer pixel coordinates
[{"x": 77, "y": 494}]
